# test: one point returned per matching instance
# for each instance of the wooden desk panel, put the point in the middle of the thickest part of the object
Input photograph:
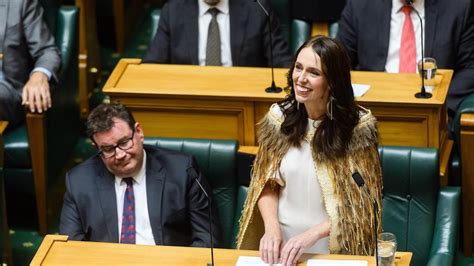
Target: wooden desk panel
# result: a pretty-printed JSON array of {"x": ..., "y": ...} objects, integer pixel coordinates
[
  {"x": 57, "y": 250},
  {"x": 226, "y": 103}
]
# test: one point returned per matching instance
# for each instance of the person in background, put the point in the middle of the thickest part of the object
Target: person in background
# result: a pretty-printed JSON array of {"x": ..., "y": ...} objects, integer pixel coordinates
[
  {"x": 29, "y": 60},
  {"x": 217, "y": 32},
  {"x": 302, "y": 198},
  {"x": 385, "y": 35},
  {"x": 133, "y": 193}
]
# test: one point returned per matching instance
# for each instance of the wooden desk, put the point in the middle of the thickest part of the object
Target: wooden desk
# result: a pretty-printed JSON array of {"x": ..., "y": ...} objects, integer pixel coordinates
[
  {"x": 226, "y": 103},
  {"x": 57, "y": 250}
]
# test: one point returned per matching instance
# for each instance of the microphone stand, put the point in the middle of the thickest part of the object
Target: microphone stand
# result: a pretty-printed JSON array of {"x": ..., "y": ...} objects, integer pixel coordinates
[
  {"x": 194, "y": 175},
  {"x": 273, "y": 88},
  {"x": 361, "y": 184},
  {"x": 423, "y": 94}
]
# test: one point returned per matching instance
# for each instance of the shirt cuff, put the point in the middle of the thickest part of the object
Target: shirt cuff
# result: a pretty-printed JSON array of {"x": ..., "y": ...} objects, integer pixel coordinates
[{"x": 42, "y": 70}]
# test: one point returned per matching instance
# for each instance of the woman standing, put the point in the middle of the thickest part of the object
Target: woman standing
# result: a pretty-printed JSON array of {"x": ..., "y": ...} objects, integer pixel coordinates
[{"x": 302, "y": 197}]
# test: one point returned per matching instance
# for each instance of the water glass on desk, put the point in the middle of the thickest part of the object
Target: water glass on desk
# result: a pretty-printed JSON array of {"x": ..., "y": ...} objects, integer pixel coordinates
[
  {"x": 387, "y": 246},
  {"x": 429, "y": 73}
]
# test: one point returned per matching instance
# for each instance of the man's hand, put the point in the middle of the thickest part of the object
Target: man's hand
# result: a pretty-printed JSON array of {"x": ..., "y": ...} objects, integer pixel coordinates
[{"x": 36, "y": 93}]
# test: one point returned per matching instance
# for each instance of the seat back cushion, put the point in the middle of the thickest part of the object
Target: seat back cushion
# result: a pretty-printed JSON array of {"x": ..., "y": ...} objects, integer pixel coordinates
[
  {"x": 217, "y": 162},
  {"x": 410, "y": 190}
]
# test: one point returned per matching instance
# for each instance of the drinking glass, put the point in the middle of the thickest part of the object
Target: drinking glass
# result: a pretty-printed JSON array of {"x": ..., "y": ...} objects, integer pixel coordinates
[
  {"x": 429, "y": 73},
  {"x": 386, "y": 245}
]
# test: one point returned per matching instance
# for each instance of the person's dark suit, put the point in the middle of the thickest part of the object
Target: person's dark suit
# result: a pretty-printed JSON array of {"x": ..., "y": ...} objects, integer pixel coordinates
[
  {"x": 177, "y": 208},
  {"x": 176, "y": 40},
  {"x": 364, "y": 29},
  {"x": 27, "y": 44}
]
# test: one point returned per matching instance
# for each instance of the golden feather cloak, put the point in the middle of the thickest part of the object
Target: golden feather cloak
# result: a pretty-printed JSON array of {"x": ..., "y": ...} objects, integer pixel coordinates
[{"x": 350, "y": 211}]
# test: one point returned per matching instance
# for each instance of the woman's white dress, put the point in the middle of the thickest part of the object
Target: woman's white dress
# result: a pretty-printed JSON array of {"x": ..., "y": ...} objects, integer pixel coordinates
[{"x": 301, "y": 204}]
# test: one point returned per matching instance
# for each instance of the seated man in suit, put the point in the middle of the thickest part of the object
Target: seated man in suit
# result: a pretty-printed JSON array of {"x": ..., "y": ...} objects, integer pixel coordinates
[
  {"x": 385, "y": 36},
  {"x": 217, "y": 32},
  {"x": 29, "y": 60},
  {"x": 133, "y": 193}
]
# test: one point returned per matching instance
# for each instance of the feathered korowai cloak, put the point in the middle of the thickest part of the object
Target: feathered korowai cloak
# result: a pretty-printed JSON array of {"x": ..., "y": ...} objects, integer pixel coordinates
[{"x": 350, "y": 211}]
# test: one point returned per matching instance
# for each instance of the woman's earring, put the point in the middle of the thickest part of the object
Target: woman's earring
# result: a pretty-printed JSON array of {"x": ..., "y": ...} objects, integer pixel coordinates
[{"x": 329, "y": 107}]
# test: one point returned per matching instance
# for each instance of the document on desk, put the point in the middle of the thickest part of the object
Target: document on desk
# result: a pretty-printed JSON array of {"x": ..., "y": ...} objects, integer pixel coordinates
[
  {"x": 256, "y": 261},
  {"x": 360, "y": 89},
  {"x": 321, "y": 262},
  {"x": 252, "y": 261}
]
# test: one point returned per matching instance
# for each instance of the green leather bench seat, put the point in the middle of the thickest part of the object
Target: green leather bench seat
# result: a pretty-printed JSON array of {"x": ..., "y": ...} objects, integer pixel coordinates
[
  {"x": 423, "y": 216},
  {"x": 217, "y": 161}
]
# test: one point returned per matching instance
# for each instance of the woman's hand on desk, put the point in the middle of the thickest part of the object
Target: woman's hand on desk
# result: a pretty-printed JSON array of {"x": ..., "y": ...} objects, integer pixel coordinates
[
  {"x": 296, "y": 246},
  {"x": 270, "y": 244}
]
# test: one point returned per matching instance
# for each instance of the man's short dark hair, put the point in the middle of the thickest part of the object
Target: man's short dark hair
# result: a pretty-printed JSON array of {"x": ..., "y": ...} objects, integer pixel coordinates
[{"x": 102, "y": 118}]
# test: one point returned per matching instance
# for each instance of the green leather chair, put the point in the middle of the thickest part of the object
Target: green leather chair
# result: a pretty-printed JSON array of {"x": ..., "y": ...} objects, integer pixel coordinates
[
  {"x": 423, "y": 216},
  {"x": 36, "y": 151},
  {"x": 217, "y": 161}
]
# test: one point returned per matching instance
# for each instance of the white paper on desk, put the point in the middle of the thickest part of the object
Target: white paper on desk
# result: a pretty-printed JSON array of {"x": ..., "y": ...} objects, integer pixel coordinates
[
  {"x": 321, "y": 262},
  {"x": 251, "y": 261},
  {"x": 360, "y": 89}
]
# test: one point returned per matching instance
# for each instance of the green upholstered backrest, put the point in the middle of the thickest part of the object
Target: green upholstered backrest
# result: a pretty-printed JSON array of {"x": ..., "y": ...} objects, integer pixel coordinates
[
  {"x": 300, "y": 32},
  {"x": 217, "y": 161},
  {"x": 332, "y": 29},
  {"x": 410, "y": 191},
  {"x": 154, "y": 21},
  {"x": 296, "y": 31},
  {"x": 63, "y": 122},
  {"x": 50, "y": 13}
]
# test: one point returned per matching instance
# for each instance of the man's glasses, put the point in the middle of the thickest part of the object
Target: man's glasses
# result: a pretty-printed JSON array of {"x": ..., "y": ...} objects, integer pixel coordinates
[{"x": 109, "y": 151}]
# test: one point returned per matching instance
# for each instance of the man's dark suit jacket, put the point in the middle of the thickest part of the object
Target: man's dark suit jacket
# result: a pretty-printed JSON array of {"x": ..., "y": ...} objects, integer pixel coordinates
[
  {"x": 176, "y": 40},
  {"x": 364, "y": 29},
  {"x": 178, "y": 209}
]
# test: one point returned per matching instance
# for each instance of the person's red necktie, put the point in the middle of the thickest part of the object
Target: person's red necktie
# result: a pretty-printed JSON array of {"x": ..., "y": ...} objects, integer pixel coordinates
[{"x": 407, "y": 44}]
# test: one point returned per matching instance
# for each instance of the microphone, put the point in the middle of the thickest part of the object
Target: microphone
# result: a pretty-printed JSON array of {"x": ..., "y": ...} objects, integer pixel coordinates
[
  {"x": 361, "y": 184},
  {"x": 422, "y": 94},
  {"x": 192, "y": 172},
  {"x": 273, "y": 88}
]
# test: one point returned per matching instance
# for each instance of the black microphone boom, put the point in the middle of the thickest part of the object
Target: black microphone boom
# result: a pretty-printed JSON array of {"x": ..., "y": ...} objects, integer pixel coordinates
[
  {"x": 273, "y": 88},
  {"x": 360, "y": 183},
  {"x": 422, "y": 94},
  {"x": 192, "y": 172}
]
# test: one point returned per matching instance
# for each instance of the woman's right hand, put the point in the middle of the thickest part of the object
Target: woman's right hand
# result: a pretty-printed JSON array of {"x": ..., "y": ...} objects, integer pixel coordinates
[{"x": 270, "y": 244}]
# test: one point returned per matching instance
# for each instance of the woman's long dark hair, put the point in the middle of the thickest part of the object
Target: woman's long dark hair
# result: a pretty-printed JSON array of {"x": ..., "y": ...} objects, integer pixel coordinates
[{"x": 332, "y": 136}]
